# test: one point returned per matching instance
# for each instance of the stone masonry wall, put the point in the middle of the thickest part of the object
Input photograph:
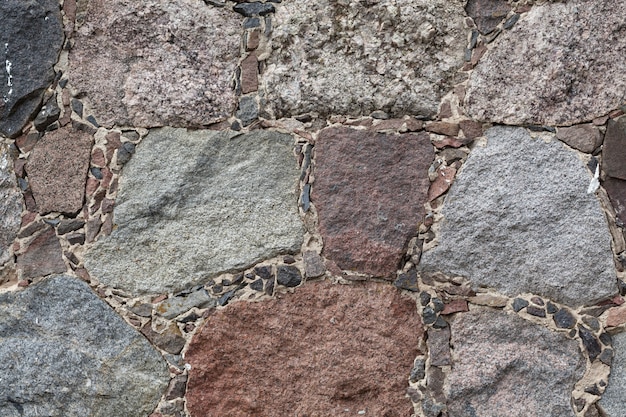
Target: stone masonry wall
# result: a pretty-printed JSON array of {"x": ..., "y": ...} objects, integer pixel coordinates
[{"x": 294, "y": 208}]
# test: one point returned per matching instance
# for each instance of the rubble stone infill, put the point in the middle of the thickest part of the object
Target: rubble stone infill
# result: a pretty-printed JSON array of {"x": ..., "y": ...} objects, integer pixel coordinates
[{"x": 383, "y": 208}]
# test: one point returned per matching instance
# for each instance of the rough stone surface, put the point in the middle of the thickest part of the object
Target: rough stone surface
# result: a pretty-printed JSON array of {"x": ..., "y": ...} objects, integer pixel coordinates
[
  {"x": 369, "y": 192},
  {"x": 155, "y": 63},
  {"x": 42, "y": 257},
  {"x": 319, "y": 351},
  {"x": 193, "y": 204},
  {"x": 178, "y": 305},
  {"x": 67, "y": 353},
  {"x": 614, "y": 152},
  {"x": 562, "y": 63},
  {"x": 30, "y": 41},
  {"x": 57, "y": 170},
  {"x": 354, "y": 58},
  {"x": 585, "y": 138},
  {"x": 505, "y": 365},
  {"x": 10, "y": 204},
  {"x": 616, "y": 190},
  {"x": 519, "y": 219},
  {"x": 613, "y": 398},
  {"x": 487, "y": 14}
]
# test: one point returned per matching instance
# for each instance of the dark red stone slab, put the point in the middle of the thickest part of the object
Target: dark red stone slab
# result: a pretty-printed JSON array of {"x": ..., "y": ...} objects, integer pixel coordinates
[
  {"x": 42, "y": 257},
  {"x": 317, "y": 352},
  {"x": 614, "y": 150},
  {"x": 369, "y": 192}
]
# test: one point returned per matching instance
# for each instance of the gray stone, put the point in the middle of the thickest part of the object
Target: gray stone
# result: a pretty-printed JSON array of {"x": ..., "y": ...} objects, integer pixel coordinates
[
  {"x": 178, "y": 305},
  {"x": 561, "y": 64},
  {"x": 355, "y": 57},
  {"x": 519, "y": 219},
  {"x": 613, "y": 398},
  {"x": 65, "y": 352},
  {"x": 194, "y": 204},
  {"x": 248, "y": 110},
  {"x": 289, "y": 276},
  {"x": 155, "y": 63},
  {"x": 30, "y": 41},
  {"x": 313, "y": 264},
  {"x": 508, "y": 366},
  {"x": 10, "y": 204}
]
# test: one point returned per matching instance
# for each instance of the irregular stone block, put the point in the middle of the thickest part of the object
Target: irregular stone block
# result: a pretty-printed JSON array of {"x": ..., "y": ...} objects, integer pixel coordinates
[
  {"x": 519, "y": 219},
  {"x": 156, "y": 63},
  {"x": 369, "y": 192},
  {"x": 354, "y": 58},
  {"x": 194, "y": 204},
  {"x": 616, "y": 190},
  {"x": 30, "y": 42},
  {"x": 508, "y": 366},
  {"x": 561, "y": 64},
  {"x": 57, "y": 170},
  {"x": 319, "y": 351},
  {"x": 176, "y": 306},
  {"x": 10, "y": 204},
  {"x": 42, "y": 257},
  {"x": 613, "y": 398},
  {"x": 586, "y": 138},
  {"x": 487, "y": 14},
  {"x": 67, "y": 353},
  {"x": 614, "y": 150}
]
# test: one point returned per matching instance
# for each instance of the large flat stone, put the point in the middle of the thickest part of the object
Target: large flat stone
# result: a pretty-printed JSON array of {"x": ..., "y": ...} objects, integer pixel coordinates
[
  {"x": 519, "y": 219},
  {"x": 369, "y": 192},
  {"x": 614, "y": 150},
  {"x": 319, "y": 351},
  {"x": 193, "y": 204},
  {"x": 57, "y": 170},
  {"x": 562, "y": 63},
  {"x": 30, "y": 42},
  {"x": 64, "y": 352},
  {"x": 506, "y": 366},
  {"x": 10, "y": 204},
  {"x": 43, "y": 256},
  {"x": 355, "y": 57},
  {"x": 156, "y": 63},
  {"x": 613, "y": 398}
]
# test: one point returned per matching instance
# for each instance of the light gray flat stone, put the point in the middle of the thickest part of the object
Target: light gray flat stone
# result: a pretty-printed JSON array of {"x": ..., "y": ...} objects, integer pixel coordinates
[
  {"x": 176, "y": 306},
  {"x": 354, "y": 58},
  {"x": 194, "y": 204},
  {"x": 64, "y": 352},
  {"x": 10, "y": 204},
  {"x": 519, "y": 219},
  {"x": 613, "y": 398}
]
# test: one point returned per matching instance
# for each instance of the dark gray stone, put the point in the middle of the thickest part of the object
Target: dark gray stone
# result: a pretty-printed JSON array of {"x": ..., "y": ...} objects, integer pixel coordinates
[
  {"x": 564, "y": 319},
  {"x": 591, "y": 344},
  {"x": 248, "y": 110},
  {"x": 407, "y": 281},
  {"x": 614, "y": 150},
  {"x": 439, "y": 346},
  {"x": 48, "y": 114},
  {"x": 254, "y": 9},
  {"x": 30, "y": 41},
  {"x": 68, "y": 354},
  {"x": 289, "y": 276},
  {"x": 519, "y": 303}
]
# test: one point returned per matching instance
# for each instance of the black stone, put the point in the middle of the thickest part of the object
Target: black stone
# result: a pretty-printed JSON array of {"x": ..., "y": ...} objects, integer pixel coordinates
[
  {"x": 76, "y": 239},
  {"x": 30, "y": 41},
  {"x": 511, "y": 21},
  {"x": 289, "y": 260},
  {"x": 473, "y": 39},
  {"x": 264, "y": 272},
  {"x": 306, "y": 197},
  {"x": 551, "y": 308},
  {"x": 189, "y": 318},
  {"x": 418, "y": 372},
  {"x": 518, "y": 304},
  {"x": 269, "y": 287},
  {"x": 437, "y": 305},
  {"x": 49, "y": 114},
  {"x": 424, "y": 298},
  {"x": 217, "y": 288},
  {"x": 592, "y": 322},
  {"x": 429, "y": 316},
  {"x": 257, "y": 285},
  {"x": 69, "y": 225},
  {"x": 251, "y": 22},
  {"x": 71, "y": 257},
  {"x": 96, "y": 172},
  {"x": 306, "y": 162},
  {"x": 606, "y": 339},
  {"x": 238, "y": 279},
  {"x": 125, "y": 152},
  {"x": 440, "y": 323},
  {"x": 92, "y": 120},
  {"x": 590, "y": 343},
  {"x": 564, "y": 319},
  {"x": 621, "y": 285},
  {"x": 77, "y": 107},
  {"x": 289, "y": 276},
  {"x": 407, "y": 280},
  {"x": 593, "y": 390},
  {"x": 224, "y": 299},
  {"x": 254, "y": 9},
  {"x": 536, "y": 311},
  {"x": 606, "y": 357}
]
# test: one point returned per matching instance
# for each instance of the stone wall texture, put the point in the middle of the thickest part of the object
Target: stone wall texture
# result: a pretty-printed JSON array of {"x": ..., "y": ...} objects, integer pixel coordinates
[{"x": 386, "y": 208}]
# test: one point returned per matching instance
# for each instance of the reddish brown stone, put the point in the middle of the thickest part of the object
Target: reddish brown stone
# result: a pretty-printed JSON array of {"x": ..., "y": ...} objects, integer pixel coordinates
[
  {"x": 448, "y": 142},
  {"x": 92, "y": 186},
  {"x": 614, "y": 149},
  {"x": 57, "y": 170},
  {"x": 97, "y": 158},
  {"x": 113, "y": 142},
  {"x": 616, "y": 316},
  {"x": 42, "y": 257},
  {"x": 616, "y": 189},
  {"x": 585, "y": 138},
  {"x": 18, "y": 166},
  {"x": 471, "y": 129},
  {"x": 443, "y": 128},
  {"x": 455, "y": 306},
  {"x": 487, "y": 14},
  {"x": 442, "y": 183},
  {"x": 253, "y": 40},
  {"x": 369, "y": 192},
  {"x": 389, "y": 124},
  {"x": 249, "y": 74},
  {"x": 27, "y": 142},
  {"x": 317, "y": 352},
  {"x": 445, "y": 110}
]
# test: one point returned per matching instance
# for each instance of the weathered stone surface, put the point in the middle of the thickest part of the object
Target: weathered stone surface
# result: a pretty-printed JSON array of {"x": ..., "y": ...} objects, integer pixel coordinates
[
  {"x": 585, "y": 138},
  {"x": 30, "y": 41},
  {"x": 67, "y": 353},
  {"x": 613, "y": 398},
  {"x": 614, "y": 150},
  {"x": 319, "y": 351},
  {"x": 313, "y": 264},
  {"x": 616, "y": 190},
  {"x": 193, "y": 204},
  {"x": 42, "y": 257},
  {"x": 519, "y": 219},
  {"x": 57, "y": 170},
  {"x": 507, "y": 366},
  {"x": 369, "y": 193},
  {"x": 487, "y": 14},
  {"x": 155, "y": 63},
  {"x": 439, "y": 346},
  {"x": 10, "y": 204},
  {"x": 354, "y": 58},
  {"x": 562, "y": 63}
]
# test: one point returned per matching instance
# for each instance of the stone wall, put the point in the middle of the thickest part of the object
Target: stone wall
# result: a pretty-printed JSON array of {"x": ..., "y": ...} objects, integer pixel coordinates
[{"x": 381, "y": 208}]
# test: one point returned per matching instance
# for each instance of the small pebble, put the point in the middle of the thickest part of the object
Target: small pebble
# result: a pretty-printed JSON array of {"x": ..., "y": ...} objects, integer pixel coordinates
[
  {"x": 536, "y": 311},
  {"x": 518, "y": 304}
]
